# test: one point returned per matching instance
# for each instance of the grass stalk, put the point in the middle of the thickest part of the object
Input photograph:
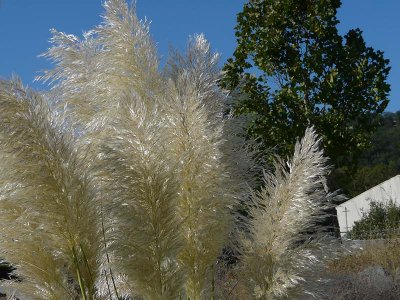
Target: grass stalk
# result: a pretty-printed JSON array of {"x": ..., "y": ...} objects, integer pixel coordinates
[{"x": 78, "y": 273}]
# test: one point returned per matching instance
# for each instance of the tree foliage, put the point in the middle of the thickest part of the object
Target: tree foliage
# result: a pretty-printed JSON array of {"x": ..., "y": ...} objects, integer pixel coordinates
[
  {"x": 381, "y": 218},
  {"x": 377, "y": 163},
  {"x": 295, "y": 70}
]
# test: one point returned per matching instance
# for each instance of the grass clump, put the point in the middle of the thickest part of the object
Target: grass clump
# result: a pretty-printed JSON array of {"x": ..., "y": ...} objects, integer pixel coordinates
[{"x": 124, "y": 181}]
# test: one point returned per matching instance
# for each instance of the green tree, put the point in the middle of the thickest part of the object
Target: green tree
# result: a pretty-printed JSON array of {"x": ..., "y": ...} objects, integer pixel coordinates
[{"x": 295, "y": 70}]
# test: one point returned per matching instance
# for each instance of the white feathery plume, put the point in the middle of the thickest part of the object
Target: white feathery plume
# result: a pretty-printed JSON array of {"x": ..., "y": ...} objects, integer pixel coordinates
[
  {"x": 129, "y": 58},
  {"x": 73, "y": 78},
  {"x": 112, "y": 71},
  {"x": 141, "y": 190},
  {"x": 48, "y": 209},
  {"x": 206, "y": 189},
  {"x": 280, "y": 254},
  {"x": 94, "y": 75}
]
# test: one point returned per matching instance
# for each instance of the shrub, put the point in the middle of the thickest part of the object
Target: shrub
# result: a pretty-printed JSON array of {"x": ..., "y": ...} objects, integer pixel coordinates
[{"x": 381, "y": 221}]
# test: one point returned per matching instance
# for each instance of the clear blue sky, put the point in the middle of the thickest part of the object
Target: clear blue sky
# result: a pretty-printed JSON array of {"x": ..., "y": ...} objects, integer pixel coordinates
[{"x": 25, "y": 24}]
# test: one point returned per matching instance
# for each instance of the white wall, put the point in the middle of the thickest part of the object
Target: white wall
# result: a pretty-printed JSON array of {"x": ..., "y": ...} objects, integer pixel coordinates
[{"x": 387, "y": 190}]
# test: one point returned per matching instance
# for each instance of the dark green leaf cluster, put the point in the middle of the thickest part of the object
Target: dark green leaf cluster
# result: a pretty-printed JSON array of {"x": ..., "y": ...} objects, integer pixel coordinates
[
  {"x": 385, "y": 148},
  {"x": 295, "y": 70},
  {"x": 380, "y": 162},
  {"x": 382, "y": 220}
]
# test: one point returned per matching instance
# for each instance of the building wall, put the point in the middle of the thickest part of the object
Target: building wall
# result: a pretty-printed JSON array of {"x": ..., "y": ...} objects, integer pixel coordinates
[{"x": 351, "y": 210}]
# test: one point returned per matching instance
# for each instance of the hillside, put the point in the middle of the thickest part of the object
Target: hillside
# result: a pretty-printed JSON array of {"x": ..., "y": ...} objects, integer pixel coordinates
[{"x": 376, "y": 164}]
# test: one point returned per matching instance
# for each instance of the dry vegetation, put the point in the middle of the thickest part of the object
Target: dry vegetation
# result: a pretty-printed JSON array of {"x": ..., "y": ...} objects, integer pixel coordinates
[{"x": 372, "y": 273}]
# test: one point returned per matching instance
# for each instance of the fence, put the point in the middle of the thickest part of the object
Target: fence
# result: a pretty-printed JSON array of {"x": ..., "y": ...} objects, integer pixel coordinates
[{"x": 372, "y": 234}]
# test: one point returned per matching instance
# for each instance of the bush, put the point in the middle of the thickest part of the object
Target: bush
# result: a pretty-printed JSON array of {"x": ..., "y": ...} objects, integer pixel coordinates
[{"x": 381, "y": 221}]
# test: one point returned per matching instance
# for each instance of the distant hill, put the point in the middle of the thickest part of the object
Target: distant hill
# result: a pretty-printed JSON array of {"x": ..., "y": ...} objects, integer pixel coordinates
[{"x": 376, "y": 164}]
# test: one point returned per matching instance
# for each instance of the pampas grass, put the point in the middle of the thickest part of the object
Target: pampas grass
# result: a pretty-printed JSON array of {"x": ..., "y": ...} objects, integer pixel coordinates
[
  {"x": 141, "y": 192},
  {"x": 196, "y": 135},
  {"x": 124, "y": 180},
  {"x": 48, "y": 213},
  {"x": 282, "y": 248}
]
